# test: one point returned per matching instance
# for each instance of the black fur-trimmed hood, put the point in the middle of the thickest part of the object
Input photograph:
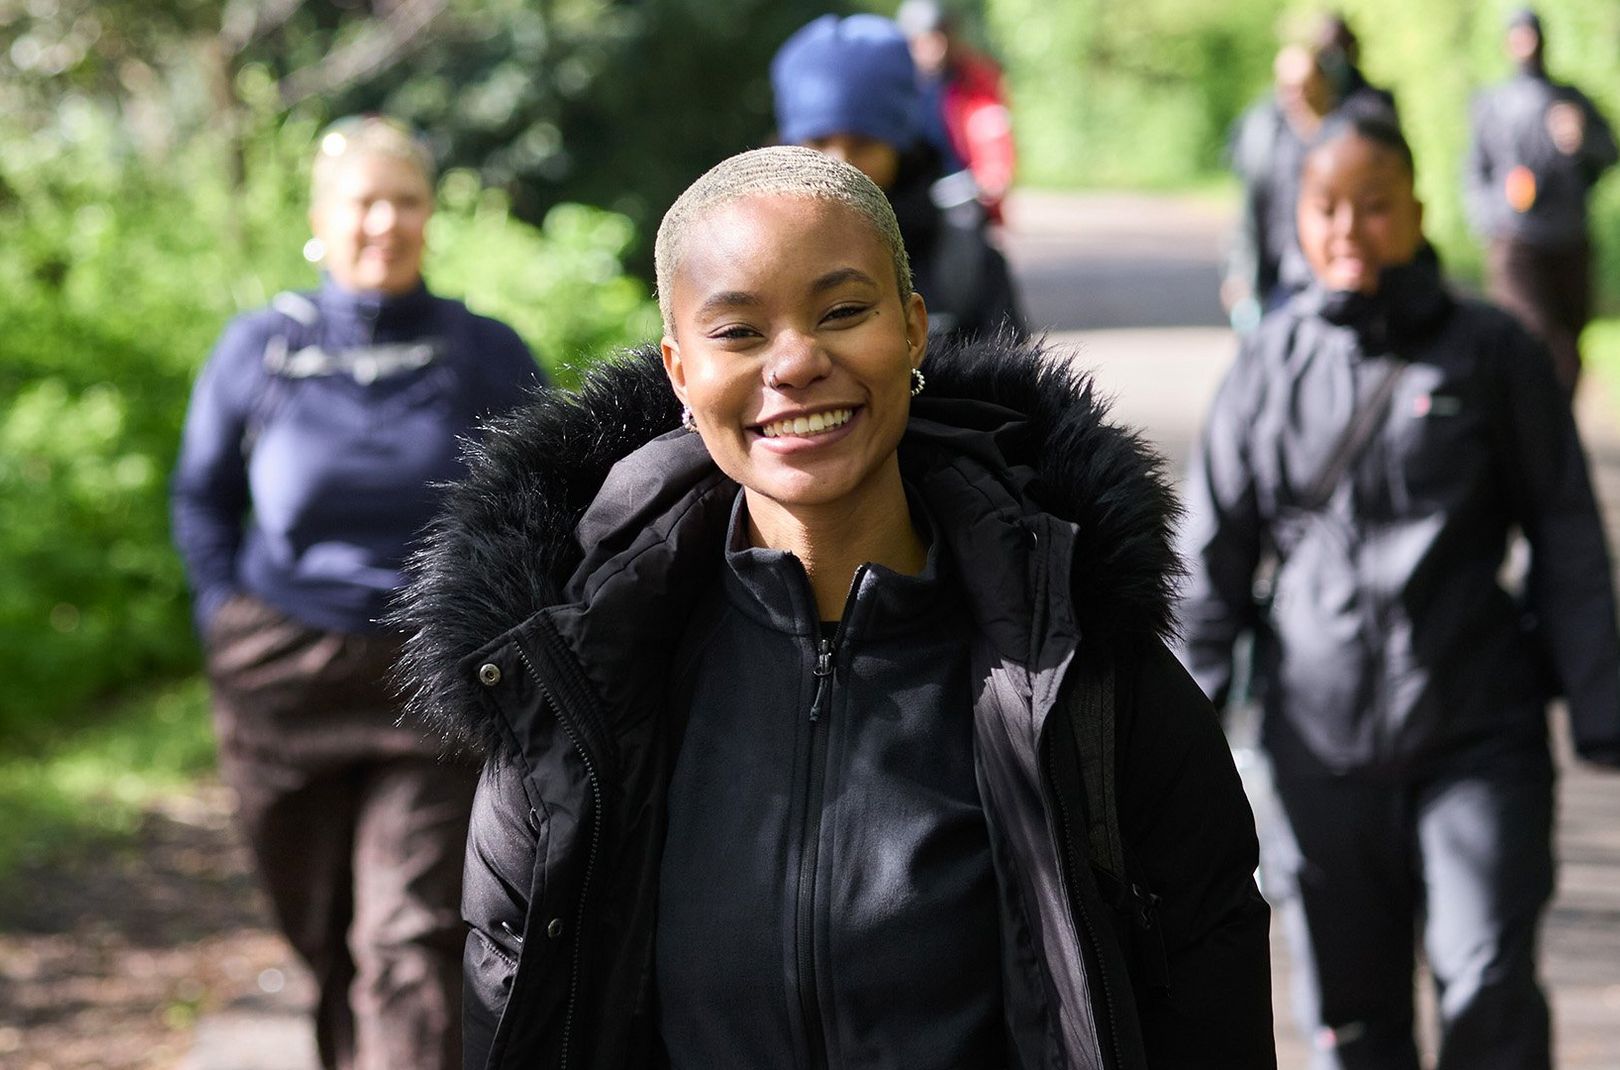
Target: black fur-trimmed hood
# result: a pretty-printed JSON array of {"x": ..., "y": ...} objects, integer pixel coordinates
[{"x": 504, "y": 545}]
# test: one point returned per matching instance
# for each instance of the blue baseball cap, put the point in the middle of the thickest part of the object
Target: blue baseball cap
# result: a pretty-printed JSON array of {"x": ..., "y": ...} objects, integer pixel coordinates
[{"x": 846, "y": 76}]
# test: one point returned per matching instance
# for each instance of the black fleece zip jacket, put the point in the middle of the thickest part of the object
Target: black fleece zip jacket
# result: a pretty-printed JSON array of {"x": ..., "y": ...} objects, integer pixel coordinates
[{"x": 551, "y": 597}]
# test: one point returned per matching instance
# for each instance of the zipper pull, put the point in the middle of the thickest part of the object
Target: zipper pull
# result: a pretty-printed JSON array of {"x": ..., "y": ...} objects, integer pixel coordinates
[{"x": 823, "y": 673}]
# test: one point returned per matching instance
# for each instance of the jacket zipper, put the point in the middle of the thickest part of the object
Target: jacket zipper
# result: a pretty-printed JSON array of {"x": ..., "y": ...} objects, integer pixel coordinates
[
  {"x": 1086, "y": 926},
  {"x": 592, "y": 778},
  {"x": 809, "y": 851}
]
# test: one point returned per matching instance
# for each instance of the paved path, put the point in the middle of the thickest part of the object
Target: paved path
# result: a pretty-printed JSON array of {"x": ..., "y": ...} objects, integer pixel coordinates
[{"x": 1127, "y": 284}]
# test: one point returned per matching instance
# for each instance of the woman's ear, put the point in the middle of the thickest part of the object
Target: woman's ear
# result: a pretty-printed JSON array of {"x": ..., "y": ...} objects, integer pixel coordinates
[
  {"x": 671, "y": 350},
  {"x": 916, "y": 328}
]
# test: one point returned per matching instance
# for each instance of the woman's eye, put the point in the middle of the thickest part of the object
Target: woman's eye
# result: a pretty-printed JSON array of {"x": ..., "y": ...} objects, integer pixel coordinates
[
  {"x": 844, "y": 312},
  {"x": 734, "y": 332}
]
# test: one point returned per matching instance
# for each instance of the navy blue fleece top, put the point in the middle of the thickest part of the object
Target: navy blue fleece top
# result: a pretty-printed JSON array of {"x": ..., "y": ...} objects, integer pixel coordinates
[{"x": 306, "y": 491}]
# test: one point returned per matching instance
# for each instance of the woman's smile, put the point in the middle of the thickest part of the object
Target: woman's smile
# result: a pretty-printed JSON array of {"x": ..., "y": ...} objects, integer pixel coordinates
[{"x": 807, "y": 428}]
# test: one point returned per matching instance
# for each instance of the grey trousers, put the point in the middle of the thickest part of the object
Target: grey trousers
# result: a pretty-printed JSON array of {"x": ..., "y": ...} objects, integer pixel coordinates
[
  {"x": 1361, "y": 869},
  {"x": 357, "y": 827}
]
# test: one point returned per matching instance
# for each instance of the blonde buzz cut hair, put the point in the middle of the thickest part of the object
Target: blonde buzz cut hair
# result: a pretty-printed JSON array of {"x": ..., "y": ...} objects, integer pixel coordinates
[
  {"x": 778, "y": 171},
  {"x": 366, "y": 135}
]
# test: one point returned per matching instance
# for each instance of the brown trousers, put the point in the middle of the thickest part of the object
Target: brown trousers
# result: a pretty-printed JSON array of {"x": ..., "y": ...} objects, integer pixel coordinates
[
  {"x": 1550, "y": 291},
  {"x": 357, "y": 827}
]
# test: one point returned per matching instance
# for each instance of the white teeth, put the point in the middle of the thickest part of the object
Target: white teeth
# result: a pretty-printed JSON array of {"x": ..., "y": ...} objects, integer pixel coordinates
[{"x": 814, "y": 424}]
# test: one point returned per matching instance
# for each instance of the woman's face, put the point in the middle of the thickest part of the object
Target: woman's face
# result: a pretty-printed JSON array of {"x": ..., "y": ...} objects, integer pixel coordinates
[
  {"x": 792, "y": 348},
  {"x": 372, "y": 218},
  {"x": 1357, "y": 213}
]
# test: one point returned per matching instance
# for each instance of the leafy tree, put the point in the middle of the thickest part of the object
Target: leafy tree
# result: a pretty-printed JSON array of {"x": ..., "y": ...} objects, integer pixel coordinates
[{"x": 114, "y": 281}]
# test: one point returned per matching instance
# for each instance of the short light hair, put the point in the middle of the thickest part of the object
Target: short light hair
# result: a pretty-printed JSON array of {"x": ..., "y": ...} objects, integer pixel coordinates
[
  {"x": 366, "y": 135},
  {"x": 778, "y": 171}
]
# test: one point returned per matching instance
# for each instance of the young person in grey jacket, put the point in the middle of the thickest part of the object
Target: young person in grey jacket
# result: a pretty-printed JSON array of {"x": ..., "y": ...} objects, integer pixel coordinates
[
  {"x": 826, "y": 713},
  {"x": 1369, "y": 456}
]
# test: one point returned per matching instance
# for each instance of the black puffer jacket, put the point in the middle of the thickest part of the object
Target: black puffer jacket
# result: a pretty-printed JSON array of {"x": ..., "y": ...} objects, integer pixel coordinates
[{"x": 547, "y": 603}]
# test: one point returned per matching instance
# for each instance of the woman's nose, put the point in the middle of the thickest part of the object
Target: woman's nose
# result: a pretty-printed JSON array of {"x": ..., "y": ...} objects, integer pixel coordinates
[
  {"x": 380, "y": 217},
  {"x": 795, "y": 362}
]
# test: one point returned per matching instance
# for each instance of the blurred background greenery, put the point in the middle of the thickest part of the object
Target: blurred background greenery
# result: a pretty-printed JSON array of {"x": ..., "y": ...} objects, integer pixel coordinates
[{"x": 152, "y": 184}]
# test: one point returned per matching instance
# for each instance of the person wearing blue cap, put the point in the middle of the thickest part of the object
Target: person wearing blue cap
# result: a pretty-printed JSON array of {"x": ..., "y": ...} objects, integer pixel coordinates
[{"x": 848, "y": 87}]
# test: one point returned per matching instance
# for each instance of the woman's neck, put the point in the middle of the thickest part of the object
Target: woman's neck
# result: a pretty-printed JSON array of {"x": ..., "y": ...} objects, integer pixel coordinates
[{"x": 870, "y": 526}]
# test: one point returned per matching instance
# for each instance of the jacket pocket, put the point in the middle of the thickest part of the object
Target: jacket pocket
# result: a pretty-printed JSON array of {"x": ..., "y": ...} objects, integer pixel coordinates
[{"x": 487, "y": 972}]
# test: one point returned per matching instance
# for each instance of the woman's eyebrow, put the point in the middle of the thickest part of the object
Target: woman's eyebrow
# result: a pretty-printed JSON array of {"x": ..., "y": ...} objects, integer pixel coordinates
[
  {"x": 727, "y": 299},
  {"x": 839, "y": 277}
]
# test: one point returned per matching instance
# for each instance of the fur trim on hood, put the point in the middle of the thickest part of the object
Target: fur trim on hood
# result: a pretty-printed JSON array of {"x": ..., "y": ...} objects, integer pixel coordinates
[{"x": 504, "y": 544}]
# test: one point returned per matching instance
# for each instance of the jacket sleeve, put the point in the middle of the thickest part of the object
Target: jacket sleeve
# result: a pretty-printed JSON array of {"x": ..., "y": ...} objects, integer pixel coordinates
[
  {"x": 1222, "y": 534},
  {"x": 1598, "y": 150},
  {"x": 1190, "y": 839},
  {"x": 209, "y": 491},
  {"x": 1571, "y": 595},
  {"x": 1480, "y": 195},
  {"x": 508, "y": 371},
  {"x": 1000, "y": 300}
]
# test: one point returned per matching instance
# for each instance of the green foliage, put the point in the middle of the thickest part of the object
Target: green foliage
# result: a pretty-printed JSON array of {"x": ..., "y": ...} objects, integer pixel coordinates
[
  {"x": 97, "y": 784},
  {"x": 1138, "y": 94},
  {"x": 115, "y": 277},
  {"x": 601, "y": 102},
  {"x": 1143, "y": 94},
  {"x": 561, "y": 286}
]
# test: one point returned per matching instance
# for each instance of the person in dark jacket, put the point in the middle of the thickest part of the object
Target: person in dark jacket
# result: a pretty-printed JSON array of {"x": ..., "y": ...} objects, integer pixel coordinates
[
  {"x": 1369, "y": 456},
  {"x": 789, "y": 676},
  {"x": 1340, "y": 51},
  {"x": 1536, "y": 149},
  {"x": 1263, "y": 265},
  {"x": 849, "y": 87},
  {"x": 317, "y": 433}
]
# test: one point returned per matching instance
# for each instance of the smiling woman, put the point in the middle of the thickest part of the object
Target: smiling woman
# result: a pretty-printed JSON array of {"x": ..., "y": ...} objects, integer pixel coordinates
[
  {"x": 317, "y": 438},
  {"x": 1379, "y": 440},
  {"x": 792, "y": 722}
]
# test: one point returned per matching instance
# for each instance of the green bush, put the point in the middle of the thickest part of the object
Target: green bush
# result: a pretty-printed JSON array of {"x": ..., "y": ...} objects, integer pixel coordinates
[{"x": 116, "y": 275}]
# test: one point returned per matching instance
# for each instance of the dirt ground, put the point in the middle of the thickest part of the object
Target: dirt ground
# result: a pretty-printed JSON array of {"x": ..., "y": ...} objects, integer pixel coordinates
[{"x": 109, "y": 956}]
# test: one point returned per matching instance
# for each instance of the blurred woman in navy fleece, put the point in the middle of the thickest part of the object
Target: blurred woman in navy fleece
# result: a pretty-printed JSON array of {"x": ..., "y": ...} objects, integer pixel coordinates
[{"x": 316, "y": 434}]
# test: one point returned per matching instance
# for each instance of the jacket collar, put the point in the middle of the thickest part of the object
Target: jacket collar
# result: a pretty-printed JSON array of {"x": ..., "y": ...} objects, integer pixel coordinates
[
  {"x": 770, "y": 585},
  {"x": 1410, "y": 304},
  {"x": 367, "y": 314},
  {"x": 547, "y": 506}
]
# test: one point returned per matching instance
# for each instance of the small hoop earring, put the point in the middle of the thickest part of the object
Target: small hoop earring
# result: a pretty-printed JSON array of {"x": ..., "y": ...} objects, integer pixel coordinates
[
  {"x": 314, "y": 250},
  {"x": 687, "y": 421},
  {"x": 918, "y": 381}
]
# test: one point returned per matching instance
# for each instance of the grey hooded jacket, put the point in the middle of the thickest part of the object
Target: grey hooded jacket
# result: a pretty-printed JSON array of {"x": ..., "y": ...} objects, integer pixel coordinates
[
  {"x": 544, "y": 611},
  {"x": 1388, "y": 645}
]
